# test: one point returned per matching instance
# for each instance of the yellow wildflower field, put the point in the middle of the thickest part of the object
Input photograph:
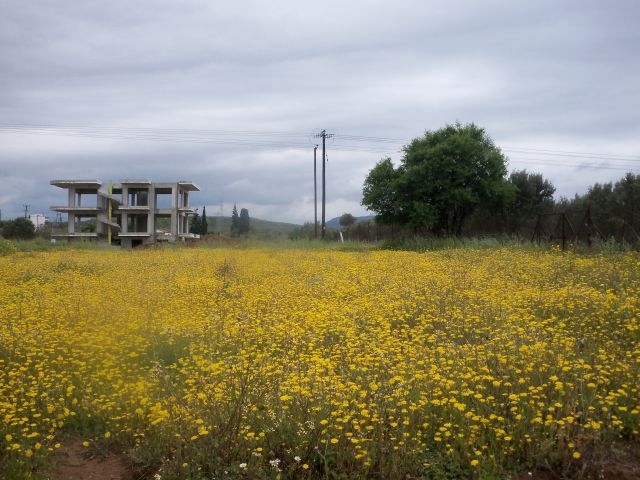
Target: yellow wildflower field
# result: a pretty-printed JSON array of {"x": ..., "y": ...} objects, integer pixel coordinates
[{"x": 276, "y": 363}]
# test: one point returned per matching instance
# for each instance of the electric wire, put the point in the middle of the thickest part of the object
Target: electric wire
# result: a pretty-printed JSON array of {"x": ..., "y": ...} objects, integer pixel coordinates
[{"x": 301, "y": 141}]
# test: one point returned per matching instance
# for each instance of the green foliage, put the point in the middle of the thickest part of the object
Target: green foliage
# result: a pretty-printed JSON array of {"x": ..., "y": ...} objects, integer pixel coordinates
[
  {"x": 235, "y": 221},
  {"x": 379, "y": 193},
  {"x": 533, "y": 196},
  {"x": 243, "y": 221},
  {"x": 423, "y": 244},
  {"x": 7, "y": 247},
  {"x": 20, "y": 229},
  {"x": 614, "y": 208},
  {"x": 239, "y": 223},
  {"x": 89, "y": 227},
  {"x": 306, "y": 231},
  {"x": 199, "y": 224},
  {"x": 444, "y": 176},
  {"x": 204, "y": 225},
  {"x": 195, "y": 224},
  {"x": 346, "y": 220},
  {"x": 627, "y": 192}
]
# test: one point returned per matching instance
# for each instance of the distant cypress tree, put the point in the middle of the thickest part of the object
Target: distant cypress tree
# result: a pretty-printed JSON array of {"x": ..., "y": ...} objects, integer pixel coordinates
[
  {"x": 243, "y": 224},
  {"x": 204, "y": 227},
  {"x": 235, "y": 221}
]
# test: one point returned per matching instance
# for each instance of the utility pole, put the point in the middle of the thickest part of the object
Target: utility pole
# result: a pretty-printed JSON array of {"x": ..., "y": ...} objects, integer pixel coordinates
[
  {"x": 315, "y": 195},
  {"x": 26, "y": 210},
  {"x": 324, "y": 135}
]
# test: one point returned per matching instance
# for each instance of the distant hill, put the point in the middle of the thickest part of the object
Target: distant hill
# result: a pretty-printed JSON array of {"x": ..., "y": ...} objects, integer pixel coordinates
[
  {"x": 335, "y": 222},
  {"x": 257, "y": 228}
]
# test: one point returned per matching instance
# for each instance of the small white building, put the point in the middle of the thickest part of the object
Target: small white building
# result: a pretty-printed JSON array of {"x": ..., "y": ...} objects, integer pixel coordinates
[{"x": 38, "y": 220}]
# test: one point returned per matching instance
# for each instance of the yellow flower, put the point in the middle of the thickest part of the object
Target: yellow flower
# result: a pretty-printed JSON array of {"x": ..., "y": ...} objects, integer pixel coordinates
[{"x": 426, "y": 351}]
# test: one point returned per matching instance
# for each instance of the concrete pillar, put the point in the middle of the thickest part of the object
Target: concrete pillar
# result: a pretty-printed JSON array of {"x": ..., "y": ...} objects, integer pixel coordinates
[
  {"x": 174, "y": 211},
  {"x": 151, "y": 219},
  {"x": 175, "y": 218}
]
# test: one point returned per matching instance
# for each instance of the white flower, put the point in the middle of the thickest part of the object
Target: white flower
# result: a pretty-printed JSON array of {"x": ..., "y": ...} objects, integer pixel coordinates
[
  {"x": 243, "y": 465},
  {"x": 157, "y": 476},
  {"x": 275, "y": 462},
  {"x": 297, "y": 458}
]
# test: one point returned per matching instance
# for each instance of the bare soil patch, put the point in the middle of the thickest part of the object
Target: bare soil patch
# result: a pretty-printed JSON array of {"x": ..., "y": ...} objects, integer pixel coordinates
[
  {"x": 619, "y": 461},
  {"x": 73, "y": 462}
]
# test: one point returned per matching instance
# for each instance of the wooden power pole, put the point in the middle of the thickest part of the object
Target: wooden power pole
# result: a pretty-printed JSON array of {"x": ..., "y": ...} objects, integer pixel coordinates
[{"x": 324, "y": 135}]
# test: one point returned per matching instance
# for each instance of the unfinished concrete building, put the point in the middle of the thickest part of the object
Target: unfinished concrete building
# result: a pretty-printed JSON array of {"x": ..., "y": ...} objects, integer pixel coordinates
[{"x": 129, "y": 213}]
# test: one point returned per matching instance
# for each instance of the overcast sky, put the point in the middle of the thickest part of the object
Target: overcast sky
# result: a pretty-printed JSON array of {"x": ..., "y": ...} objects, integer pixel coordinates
[{"x": 230, "y": 94}]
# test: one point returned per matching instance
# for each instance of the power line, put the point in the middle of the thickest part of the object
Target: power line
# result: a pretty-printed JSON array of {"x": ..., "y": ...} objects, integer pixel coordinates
[
  {"x": 231, "y": 138},
  {"x": 299, "y": 140},
  {"x": 583, "y": 165},
  {"x": 564, "y": 153}
]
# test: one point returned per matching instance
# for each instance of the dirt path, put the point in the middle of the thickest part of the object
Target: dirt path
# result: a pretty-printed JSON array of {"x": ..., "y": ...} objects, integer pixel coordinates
[
  {"x": 71, "y": 463},
  {"x": 621, "y": 462}
]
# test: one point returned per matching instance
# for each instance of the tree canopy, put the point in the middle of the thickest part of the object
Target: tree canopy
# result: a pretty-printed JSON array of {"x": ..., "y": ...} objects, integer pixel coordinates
[
  {"x": 346, "y": 220},
  {"x": 20, "y": 229},
  {"x": 243, "y": 223},
  {"x": 240, "y": 223},
  {"x": 235, "y": 221},
  {"x": 199, "y": 223},
  {"x": 443, "y": 177},
  {"x": 380, "y": 192},
  {"x": 533, "y": 196}
]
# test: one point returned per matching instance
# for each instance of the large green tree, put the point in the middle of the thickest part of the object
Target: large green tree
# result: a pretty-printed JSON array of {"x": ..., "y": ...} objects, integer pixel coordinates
[
  {"x": 380, "y": 192},
  {"x": 443, "y": 177},
  {"x": 533, "y": 196}
]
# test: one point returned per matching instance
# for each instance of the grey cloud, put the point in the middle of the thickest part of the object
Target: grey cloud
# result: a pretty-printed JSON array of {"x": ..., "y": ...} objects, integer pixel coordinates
[{"x": 561, "y": 76}]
